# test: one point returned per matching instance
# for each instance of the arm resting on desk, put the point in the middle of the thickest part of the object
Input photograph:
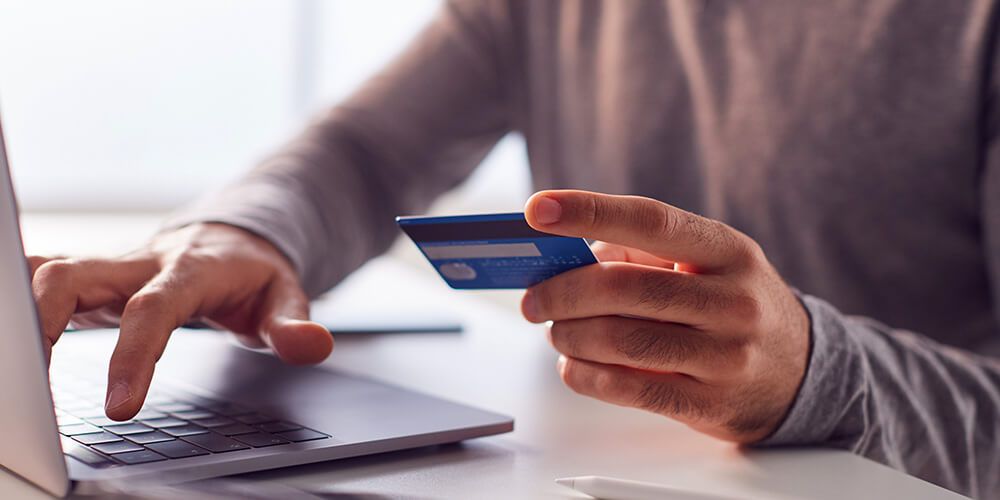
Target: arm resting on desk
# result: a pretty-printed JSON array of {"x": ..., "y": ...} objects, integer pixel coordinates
[{"x": 899, "y": 398}]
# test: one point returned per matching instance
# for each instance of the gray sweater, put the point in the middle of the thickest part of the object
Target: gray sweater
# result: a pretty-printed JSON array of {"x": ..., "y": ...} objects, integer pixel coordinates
[{"x": 855, "y": 140}]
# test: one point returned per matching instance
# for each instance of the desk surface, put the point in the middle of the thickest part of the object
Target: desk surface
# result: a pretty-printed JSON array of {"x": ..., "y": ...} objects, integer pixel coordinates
[{"x": 504, "y": 364}]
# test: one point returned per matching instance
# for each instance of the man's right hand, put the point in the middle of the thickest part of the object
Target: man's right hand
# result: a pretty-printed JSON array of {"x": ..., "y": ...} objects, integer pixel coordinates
[{"x": 215, "y": 273}]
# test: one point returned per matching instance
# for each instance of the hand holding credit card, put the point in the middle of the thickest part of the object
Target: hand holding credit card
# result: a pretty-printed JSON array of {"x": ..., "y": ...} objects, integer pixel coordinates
[{"x": 493, "y": 251}]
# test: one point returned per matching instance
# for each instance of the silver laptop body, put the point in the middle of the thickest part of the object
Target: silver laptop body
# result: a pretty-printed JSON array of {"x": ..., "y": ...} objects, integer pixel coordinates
[{"x": 214, "y": 408}]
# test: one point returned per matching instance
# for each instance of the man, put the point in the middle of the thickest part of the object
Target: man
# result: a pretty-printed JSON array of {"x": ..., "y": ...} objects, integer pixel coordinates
[{"x": 847, "y": 149}]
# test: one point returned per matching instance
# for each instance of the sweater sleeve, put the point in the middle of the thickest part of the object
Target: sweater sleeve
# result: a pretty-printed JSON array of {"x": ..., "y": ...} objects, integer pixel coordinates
[
  {"x": 328, "y": 199},
  {"x": 898, "y": 397}
]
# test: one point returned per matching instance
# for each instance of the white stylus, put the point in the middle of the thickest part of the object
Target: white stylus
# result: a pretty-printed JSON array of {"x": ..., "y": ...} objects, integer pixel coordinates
[{"x": 610, "y": 488}]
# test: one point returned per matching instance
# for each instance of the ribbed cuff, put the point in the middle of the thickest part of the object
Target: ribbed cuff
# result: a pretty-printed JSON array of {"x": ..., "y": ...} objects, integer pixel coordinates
[{"x": 832, "y": 381}]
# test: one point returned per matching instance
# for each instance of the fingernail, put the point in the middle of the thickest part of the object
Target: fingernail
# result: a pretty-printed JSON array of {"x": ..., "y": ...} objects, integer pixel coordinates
[
  {"x": 119, "y": 395},
  {"x": 547, "y": 210},
  {"x": 529, "y": 306}
]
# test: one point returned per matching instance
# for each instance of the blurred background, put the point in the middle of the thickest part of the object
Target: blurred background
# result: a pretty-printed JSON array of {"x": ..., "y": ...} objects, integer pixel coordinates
[{"x": 123, "y": 107}]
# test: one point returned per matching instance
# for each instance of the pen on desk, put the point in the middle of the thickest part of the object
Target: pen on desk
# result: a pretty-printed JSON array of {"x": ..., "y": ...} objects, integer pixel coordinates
[{"x": 621, "y": 489}]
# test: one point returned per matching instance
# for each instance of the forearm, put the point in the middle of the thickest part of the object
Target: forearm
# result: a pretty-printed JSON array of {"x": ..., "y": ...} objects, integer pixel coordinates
[
  {"x": 314, "y": 201},
  {"x": 896, "y": 397},
  {"x": 416, "y": 129}
]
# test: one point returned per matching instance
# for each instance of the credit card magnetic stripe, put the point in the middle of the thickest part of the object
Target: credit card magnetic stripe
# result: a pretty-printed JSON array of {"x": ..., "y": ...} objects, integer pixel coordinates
[{"x": 493, "y": 250}]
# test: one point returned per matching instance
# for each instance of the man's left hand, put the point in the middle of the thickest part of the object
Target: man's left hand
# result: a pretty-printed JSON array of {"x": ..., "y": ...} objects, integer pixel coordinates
[{"x": 684, "y": 316}]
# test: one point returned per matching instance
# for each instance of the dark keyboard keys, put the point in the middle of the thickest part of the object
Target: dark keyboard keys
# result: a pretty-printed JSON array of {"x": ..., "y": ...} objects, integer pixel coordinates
[
  {"x": 148, "y": 414},
  {"x": 119, "y": 447},
  {"x": 139, "y": 457},
  {"x": 86, "y": 456},
  {"x": 186, "y": 430},
  {"x": 174, "y": 407},
  {"x": 192, "y": 414},
  {"x": 97, "y": 438},
  {"x": 149, "y": 437},
  {"x": 228, "y": 409},
  {"x": 161, "y": 423},
  {"x": 253, "y": 418},
  {"x": 74, "y": 430},
  {"x": 212, "y": 421},
  {"x": 260, "y": 440},
  {"x": 126, "y": 429},
  {"x": 278, "y": 427},
  {"x": 234, "y": 429},
  {"x": 216, "y": 443},
  {"x": 302, "y": 435},
  {"x": 101, "y": 420},
  {"x": 177, "y": 449}
]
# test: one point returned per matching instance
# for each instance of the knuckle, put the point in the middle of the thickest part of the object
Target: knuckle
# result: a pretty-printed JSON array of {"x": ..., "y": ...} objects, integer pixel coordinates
[
  {"x": 748, "y": 308},
  {"x": 564, "y": 339},
  {"x": 56, "y": 272},
  {"x": 153, "y": 302},
  {"x": 660, "y": 221},
  {"x": 607, "y": 385},
  {"x": 739, "y": 356},
  {"x": 745, "y": 250},
  {"x": 592, "y": 211},
  {"x": 195, "y": 258}
]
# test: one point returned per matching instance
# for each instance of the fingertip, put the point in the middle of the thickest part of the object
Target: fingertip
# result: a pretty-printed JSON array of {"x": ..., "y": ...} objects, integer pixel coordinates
[
  {"x": 542, "y": 209},
  {"x": 529, "y": 307},
  {"x": 300, "y": 342},
  {"x": 122, "y": 403}
]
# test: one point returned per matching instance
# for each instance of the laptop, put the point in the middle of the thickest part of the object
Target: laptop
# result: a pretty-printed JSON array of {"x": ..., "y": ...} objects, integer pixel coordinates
[{"x": 214, "y": 408}]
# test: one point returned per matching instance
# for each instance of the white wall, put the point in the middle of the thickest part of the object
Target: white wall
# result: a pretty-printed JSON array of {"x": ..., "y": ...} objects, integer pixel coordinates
[{"x": 123, "y": 105}]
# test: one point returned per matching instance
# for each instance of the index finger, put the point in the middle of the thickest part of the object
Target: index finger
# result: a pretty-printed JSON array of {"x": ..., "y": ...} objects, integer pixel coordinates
[
  {"x": 162, "y": 305},
  {"x": 643, "y": 223}
]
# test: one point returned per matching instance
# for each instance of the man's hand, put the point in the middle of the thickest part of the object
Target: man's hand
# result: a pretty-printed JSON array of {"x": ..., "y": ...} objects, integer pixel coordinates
[
  {"x": 684, "y": 316},
  {"x": 211, "y": 272}
]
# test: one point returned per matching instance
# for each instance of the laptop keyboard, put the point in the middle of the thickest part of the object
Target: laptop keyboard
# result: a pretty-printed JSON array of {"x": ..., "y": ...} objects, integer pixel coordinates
[{"x": 171, "y": 426}]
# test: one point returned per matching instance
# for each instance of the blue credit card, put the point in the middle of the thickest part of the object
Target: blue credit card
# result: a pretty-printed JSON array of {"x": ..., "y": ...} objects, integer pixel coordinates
[{"x": 493, "y": 250}]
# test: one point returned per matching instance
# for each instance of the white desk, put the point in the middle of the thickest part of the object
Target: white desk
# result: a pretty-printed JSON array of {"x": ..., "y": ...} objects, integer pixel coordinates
[{"x": 502, "y": 363}]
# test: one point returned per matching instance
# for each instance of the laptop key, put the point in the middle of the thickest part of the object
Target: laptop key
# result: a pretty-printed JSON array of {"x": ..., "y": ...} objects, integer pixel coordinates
[
  {"x": 148, "y": 414},
  {"x": 74, "y": 430},
  {"x": 228, "y": 409},
  {"x": 253, "y": 418},
  {"x": 212, "y": 421},
  {"x": 126, "y": 429},
  {"x": 234, "y": 429},
  {"x": 67, "y": 419},
  {"x": 302, "y": 435},
  {"x": 216, "y": 443},
  {"x": 174, "y": 407},
  {"x": 97, "y": 438},
  {"x": 119, "y": 447},
  {"x": 177, "y": 449},
  {"x": 278, "y": 427},
  {"x": 86, "y": 456},
  {"x": 102, "y": 421},
  {"x": 149, "y": 437},
  {"x": 139, "y": 457},
  {"x": 192, "y": 414},
  {"x": 161, "y": 423},
  {"x": 186, "y": 430},
  {"x": 260, "y": 439}
]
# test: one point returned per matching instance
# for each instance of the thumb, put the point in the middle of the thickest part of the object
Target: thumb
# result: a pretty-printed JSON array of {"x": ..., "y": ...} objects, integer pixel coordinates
[{"x": 284, "y": 325}]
